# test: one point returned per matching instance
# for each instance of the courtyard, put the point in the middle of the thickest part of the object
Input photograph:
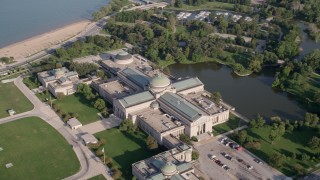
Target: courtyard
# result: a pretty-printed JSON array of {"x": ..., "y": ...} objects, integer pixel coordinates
[
  {"x": 125, "y": 148},
  {"x": 36, "y": 151},
  {"x": 77, "y": 103},
  {"x": 12, "y": 98}
]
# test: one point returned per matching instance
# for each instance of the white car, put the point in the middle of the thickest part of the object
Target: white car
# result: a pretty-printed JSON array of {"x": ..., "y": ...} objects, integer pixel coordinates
[{"x": 212, "y": 157}]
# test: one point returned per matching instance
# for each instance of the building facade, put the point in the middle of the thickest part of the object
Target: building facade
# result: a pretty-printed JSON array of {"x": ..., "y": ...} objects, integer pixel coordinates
[{"x": 162, "y": 106}]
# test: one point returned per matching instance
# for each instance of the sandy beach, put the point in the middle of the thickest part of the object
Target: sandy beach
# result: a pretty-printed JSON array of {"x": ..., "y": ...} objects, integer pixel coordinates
[{"x": 38, "y": 43}]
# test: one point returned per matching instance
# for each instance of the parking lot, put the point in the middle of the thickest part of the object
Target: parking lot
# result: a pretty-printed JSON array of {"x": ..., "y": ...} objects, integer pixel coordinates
[{"x": 219, "y": 161}]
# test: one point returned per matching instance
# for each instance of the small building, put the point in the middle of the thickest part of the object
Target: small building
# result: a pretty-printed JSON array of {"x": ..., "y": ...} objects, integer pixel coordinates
[
  {"x": 11, "y": 112},
  {"x": 171, "y": 164},
  {"x": 74, "y": 123},
  {"x": 89, "y": 139}
]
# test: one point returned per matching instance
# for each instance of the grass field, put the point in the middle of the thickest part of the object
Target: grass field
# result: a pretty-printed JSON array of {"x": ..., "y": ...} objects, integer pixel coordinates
[
  {"x": 125, "y": 149},
  {"x": 99, "y": 177},
  {"x": 36, "y": 150},
  {"x": 231, "y": 124},
  {"x": 206, "y": 6},
  {"x": 77, "y": 103},
  {"x": 295, "y": 142},
  {"x": 12, "y": 98}
]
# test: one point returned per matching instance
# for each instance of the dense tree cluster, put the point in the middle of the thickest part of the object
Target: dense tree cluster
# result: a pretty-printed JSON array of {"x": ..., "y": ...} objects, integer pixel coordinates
[
  {"x": 6, "y": 60},
  {"x": 83, "y": 68},
  {"x": 96, "y": 102},
  {"x": 113, "y": 6},
  {"x": 93, "y": 45},
  {"x": 293, "y": 77},
  {"x": 132, "y": 16}
]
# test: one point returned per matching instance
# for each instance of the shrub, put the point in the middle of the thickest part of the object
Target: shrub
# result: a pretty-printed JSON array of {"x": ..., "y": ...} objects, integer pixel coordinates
[{"x": 194, "y": 155}]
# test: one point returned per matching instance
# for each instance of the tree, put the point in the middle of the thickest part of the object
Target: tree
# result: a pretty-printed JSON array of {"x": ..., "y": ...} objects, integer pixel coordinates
[
  {"x": 277, "y": 160},
  {"x": 60, "y": 96},
  {"x": 253, "y": 123},
  {"x": 83, "y": 68},
  {"x": 151, "y": 143},
  {"x": 260, "y": 121},
  {"x": 273, "y": 135},
  {"x": 194, "y": 155},
  {"x": 242, "y": 136},
  {"x": 185, "y": 138},
  {"x": 216, "y": 97},
  {"x": 128, "y": 126},
  {"x": 314, "y": 143},
  {"x": 178, "y": 3},
  {"x": 99, "y": 104}
]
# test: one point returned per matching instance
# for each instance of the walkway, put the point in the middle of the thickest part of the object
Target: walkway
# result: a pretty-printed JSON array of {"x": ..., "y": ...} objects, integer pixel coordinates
[
  {"x": 89, "y": 167},
  {"x": 101, "y": 125}
]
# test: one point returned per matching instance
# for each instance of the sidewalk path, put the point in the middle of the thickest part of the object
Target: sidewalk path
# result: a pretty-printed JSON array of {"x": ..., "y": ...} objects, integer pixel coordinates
[{"x": 89, "y": 167}]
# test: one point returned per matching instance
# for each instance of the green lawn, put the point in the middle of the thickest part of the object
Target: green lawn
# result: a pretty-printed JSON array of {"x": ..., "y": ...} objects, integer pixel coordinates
[
  {"x": 99, "y": 177},
  {"x": 207, "y": 6},
  {"x": 125, "y": 149},
  {"x": 231, "y": 124},
  {"x": 295, "y": 142},
  {"x": 77, "y": 103},
  {"x": 12, "y": 98},
  {"x": 36, "y": 150}
]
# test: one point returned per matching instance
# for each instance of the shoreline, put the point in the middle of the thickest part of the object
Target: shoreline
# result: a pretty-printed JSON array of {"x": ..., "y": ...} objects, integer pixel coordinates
[{"x": 35, "y": 44}]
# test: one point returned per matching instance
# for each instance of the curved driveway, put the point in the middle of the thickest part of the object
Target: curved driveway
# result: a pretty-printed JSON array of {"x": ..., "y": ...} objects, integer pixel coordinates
[{"x": 89, "y": 167}]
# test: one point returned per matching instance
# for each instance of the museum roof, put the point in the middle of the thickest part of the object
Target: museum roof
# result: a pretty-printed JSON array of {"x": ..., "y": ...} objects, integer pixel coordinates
[
  {"x": 186, "y": 84},
  {"x": 136, "y": 77},
  {"x": 181, "y": 106},
  {"x": 136, "y": 99}
]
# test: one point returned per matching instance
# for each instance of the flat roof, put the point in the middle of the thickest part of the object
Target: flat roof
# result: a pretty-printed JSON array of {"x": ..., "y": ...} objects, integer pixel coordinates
[
  {"x": 136, "y": 77},
  {"x": 136, "y": 99},
  {"x": 158, "y": 120},
  {"x": 187, "y": 83},
  {"x": 74, "y": 122},
  {"x": 116, "y": 89},
  {"x": 181, "y": 106},
  {"x": 203, "y": 103},
  {"x": 89, "y": 138}
]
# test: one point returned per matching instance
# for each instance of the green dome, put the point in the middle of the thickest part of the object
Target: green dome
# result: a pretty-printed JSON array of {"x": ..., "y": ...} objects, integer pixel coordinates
[
  {"x": 169, "y": 169},
  {"x": 123, "y": 56},
  {"x": 160, "y": 82}
]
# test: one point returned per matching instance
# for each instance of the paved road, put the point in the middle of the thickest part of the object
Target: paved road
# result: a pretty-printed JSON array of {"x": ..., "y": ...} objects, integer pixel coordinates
[{"x": 89, "y": 166}]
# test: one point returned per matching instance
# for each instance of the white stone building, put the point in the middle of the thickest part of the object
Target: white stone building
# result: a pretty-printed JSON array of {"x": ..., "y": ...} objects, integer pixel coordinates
[
  {"x": 162, "y": 106},
  {"x": 172, "y": 164},
  {"x": 62, "y": 81}
]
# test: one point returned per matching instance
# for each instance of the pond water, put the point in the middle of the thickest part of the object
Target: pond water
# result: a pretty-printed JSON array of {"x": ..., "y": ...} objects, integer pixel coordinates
[{"x": 250, "y": 95}]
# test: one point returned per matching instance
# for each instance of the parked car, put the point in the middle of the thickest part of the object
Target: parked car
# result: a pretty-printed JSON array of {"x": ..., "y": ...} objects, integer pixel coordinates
[
  {"x": 257, "y": 161},
  {"x": 249, "y": 167}
]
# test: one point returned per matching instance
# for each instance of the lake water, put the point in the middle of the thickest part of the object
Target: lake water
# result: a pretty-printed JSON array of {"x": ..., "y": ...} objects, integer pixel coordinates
[
  {"x": 307, "y": 44},
  {"x": 249, "y": 95},
  {"x": 22, "y": 19}
]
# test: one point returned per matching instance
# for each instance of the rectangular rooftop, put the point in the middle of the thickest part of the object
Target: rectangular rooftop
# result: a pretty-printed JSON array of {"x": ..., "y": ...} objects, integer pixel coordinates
[
  {"x": 187, "y": 83},
  {"x": 136, "y": 99},
  {"x": 181, "y": 106},
  {"x": 136, "y": 77},
  {"x": 158, "y": 120}
]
